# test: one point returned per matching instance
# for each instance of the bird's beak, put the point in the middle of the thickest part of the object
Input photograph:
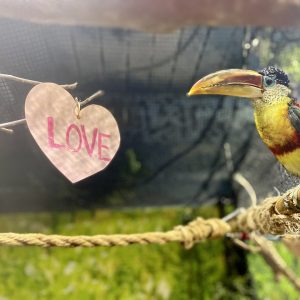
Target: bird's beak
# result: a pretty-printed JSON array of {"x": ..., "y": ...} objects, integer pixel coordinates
[{"x": 233, "y": 82}]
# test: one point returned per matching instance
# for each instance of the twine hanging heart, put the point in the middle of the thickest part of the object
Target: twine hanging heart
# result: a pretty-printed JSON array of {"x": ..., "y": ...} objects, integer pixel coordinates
[{"x": 77, "y": 145}]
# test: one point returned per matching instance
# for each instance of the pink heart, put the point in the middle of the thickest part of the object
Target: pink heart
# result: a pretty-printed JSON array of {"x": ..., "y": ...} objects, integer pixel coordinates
[{"x": 77, "y": 147}]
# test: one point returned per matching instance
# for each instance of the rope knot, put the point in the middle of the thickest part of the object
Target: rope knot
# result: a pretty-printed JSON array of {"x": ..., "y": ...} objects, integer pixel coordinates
[{"x": 200, "y": 229}]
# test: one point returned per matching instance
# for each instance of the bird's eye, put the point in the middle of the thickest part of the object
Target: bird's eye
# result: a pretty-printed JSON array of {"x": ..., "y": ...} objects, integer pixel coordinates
[{"x": 269, "y": 81}]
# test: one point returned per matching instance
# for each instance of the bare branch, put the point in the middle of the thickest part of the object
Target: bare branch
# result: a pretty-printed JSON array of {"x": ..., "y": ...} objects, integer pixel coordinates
[
  {"x": 22, "y": 121},
  {"x": 34, "y": 82},
  {"x": 239, "y": 178},
  {"x": 12, "y": 123},
  {"x": 6, "y": 130},
  {"x": 92, "y": 97},
  {"x": 28, "y": 81},
  {"x": 245, "y": 246}
]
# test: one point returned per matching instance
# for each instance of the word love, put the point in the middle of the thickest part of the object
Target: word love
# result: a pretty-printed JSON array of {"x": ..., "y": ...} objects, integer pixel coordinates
[{"x": 79, "y": 140}]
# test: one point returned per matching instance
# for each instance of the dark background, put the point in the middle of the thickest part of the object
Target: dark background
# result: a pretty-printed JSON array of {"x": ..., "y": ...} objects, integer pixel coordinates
[{"x": 172, "y": 147}]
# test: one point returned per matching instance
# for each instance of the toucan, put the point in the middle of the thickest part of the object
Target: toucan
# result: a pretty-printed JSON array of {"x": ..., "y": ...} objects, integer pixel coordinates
[{"x": 276, "y": 112}]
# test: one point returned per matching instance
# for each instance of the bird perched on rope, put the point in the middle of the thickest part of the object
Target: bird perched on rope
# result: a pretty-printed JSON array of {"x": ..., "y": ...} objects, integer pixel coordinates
[{"x": 276, "y": 112}]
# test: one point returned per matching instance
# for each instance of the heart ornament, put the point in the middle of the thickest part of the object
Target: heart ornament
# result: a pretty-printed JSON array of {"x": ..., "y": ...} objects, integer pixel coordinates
[{"x": 78, "y": 143}]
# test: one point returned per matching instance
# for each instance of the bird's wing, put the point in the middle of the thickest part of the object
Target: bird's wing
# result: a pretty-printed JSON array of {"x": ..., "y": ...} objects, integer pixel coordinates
[{"x": 294, "y": 114}]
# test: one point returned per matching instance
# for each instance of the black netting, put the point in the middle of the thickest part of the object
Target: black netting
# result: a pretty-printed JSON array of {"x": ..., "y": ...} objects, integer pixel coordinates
[{"x": 172, "y": 147}]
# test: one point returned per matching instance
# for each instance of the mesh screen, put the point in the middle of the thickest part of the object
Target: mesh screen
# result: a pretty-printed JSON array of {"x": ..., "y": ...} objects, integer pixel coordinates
[{"x": 172, "y": 148}]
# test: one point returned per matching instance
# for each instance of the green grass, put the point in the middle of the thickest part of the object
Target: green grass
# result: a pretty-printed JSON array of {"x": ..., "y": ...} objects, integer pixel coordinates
[{"x": 135, "y": 272}]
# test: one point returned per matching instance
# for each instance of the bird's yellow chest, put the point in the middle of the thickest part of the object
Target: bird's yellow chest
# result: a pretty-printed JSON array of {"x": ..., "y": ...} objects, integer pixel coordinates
[
  {"x": 291, "y": 161},
  {"x": 273, "y": 124},
  {"x": 278, "y": 134}
]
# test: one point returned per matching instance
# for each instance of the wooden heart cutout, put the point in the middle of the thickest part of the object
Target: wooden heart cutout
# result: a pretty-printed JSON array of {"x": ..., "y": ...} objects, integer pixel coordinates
[{"x": 78, "y": 147}]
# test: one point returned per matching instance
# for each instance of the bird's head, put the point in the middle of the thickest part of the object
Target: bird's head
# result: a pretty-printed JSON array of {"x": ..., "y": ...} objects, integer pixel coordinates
[{"x": 267, "y": 86}]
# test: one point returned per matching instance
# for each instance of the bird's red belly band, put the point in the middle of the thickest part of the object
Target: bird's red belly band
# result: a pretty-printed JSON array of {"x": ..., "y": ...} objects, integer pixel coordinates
[{"x": 292, "y": 145}]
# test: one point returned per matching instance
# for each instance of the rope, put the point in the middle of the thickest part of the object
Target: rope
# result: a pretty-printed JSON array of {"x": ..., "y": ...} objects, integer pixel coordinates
[
  {"x": 277, "y": 215},
  {"x": 195, "y": 231}
]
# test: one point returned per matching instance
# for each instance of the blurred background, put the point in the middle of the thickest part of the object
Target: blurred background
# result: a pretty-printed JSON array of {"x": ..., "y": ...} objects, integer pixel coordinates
[{"x": 171, "y": 165}]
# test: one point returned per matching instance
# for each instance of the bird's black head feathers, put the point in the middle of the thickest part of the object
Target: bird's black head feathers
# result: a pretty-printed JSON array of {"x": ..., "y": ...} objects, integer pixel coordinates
[{"x": 281, "y": 77}]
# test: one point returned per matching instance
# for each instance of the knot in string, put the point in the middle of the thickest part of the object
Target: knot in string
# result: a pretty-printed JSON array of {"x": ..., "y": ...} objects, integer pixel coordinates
[{"x": 200, "y": 229}]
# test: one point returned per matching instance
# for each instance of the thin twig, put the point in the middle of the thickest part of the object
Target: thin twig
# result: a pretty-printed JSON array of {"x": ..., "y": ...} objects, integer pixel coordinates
[
  {"x": 22, "y": 121},
  {"x": 245, "y": 246},
  {"x": 71, "y": 86},
  {"x": 28, "y": 81},
  {"x": 12, "y": 123},
  {"x": 6, "y": 130},
  {"x": 239, "y": 178},
  {"x": 92, "y": 97}
]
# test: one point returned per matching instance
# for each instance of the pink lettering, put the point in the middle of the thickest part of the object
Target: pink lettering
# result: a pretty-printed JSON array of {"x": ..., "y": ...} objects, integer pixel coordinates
[
  {"x": 74, "y": 138},
  {"x": 89, "y": 149},
  {"x": 101, "y": 146},
  {"x": 51, "y": 141},
  {"x": 73, "y": 126}
]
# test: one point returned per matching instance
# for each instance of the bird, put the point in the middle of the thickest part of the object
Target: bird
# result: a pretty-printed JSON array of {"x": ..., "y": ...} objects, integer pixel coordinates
[{"x": 276, "y": 111}]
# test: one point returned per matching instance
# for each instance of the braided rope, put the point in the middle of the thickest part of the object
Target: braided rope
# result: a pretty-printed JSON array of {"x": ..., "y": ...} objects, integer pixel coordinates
[
  {"x": 277, "y": 215},
  {"x": 272, "y": 216},
  {"x": 195, "y": 231}
]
